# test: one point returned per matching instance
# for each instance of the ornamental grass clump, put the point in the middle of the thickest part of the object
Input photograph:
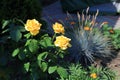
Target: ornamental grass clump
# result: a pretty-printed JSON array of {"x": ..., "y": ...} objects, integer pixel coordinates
[{"x": 88, "y": 43}]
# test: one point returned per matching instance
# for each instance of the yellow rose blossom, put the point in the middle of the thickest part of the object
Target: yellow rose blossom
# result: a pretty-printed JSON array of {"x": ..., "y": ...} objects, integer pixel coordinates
[
  {"x": 34, "y": 32},
  {"x": 58, "y": 28},
  {"x": 33, "y": 26},
  {"x": 62, "y": 42},
  {"x": 93, "y": 75}
]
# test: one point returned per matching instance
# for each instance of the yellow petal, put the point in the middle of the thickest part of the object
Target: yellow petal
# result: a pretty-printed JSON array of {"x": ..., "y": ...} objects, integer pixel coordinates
[
  {"x": 34, "y": 33},
  {"x": 62, "y": 42}
]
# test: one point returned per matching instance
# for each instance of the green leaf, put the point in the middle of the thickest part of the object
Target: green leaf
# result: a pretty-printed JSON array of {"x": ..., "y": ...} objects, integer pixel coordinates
[
  {"x": 52, "y": 69},
  {"x": 62, "y": 72},
  {"x": 15, "y": 32},
  {"x": 26, "y": 66},
  {"x": 21, "y": 55},
  {"x": 5, "y": 23},
  {"x": 15, "y": 35},
  {"x": 21, "y": 28},
  {"x": 4, "y": 31},
  {"x": 15, "y": 52},
  {"x": 27, "y": 42},
  {"x": 114, "y": 36},
  {"x": 33, "y": 45},
  {"x": 46, "y": 42},
  {"x": 117, "y": 31},
  {"x": 27, "y": 35},
  {"x": 106, "y": 33},
  {"x": 42, "y": 56},
  {"x": 106, "y": 27},
  {"x": 44, "y": 66},
  {"x": 61, "y": 55}
]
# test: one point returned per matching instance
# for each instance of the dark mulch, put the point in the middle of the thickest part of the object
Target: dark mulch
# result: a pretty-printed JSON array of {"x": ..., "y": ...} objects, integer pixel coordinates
[{"x": 48, "y": 2}]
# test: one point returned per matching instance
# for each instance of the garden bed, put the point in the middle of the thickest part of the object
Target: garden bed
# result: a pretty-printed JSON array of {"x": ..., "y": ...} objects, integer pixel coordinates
[
  {"x": 114, "y": 21},
  {"x": 68, "y": 47}
]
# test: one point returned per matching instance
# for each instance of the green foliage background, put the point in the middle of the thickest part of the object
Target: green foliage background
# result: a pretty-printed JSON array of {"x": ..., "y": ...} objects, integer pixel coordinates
[
  {"x": 21, "y": 9},
  {"x": 115, "y": 36},
  {"x": 27, "y": 57}
]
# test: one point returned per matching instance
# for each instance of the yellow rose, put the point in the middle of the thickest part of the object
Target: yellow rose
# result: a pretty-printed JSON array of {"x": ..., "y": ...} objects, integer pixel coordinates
[
  {"x": 93, "y": 75},
  {"x": 33, "y": 26},
  {"x": 62, "y": 42},
  {"x": 58, "y": 28},
  {"x": 34, "y": 32}
]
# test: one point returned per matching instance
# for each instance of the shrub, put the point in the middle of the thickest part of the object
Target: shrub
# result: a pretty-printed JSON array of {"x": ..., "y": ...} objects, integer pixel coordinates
[{"x": 28, "y": 52}]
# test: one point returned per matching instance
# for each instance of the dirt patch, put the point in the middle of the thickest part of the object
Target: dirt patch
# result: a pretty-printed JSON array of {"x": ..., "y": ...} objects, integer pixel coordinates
[
  {"x": 112, "y": 62},
  {"x": 115, "y": 65}
]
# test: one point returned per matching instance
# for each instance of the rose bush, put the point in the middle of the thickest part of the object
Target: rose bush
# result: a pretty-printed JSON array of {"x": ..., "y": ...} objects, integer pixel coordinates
[{"x": 32, "y": 51}]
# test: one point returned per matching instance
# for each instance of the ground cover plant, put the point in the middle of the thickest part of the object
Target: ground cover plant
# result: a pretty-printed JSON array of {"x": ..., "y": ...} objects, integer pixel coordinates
[
  {"x": 77, "y": 72},
  {"x": 113, "y": 34}
]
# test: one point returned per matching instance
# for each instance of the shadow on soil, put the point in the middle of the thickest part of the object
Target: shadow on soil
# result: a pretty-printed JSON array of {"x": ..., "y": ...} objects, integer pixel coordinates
[{"x": 106, "y": 61}]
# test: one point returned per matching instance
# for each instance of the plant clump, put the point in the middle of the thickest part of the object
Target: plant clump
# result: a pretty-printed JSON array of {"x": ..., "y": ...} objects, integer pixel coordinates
[
  {"x": 77, "y": 72},
  {"x": 113, "y": 34},
  {"x": 88, "y": 42},
  {"x": 31, "y": 52}
]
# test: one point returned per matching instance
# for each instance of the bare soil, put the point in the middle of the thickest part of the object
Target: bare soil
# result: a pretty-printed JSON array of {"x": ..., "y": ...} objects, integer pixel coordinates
[{"x": 115, "y": 65}]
